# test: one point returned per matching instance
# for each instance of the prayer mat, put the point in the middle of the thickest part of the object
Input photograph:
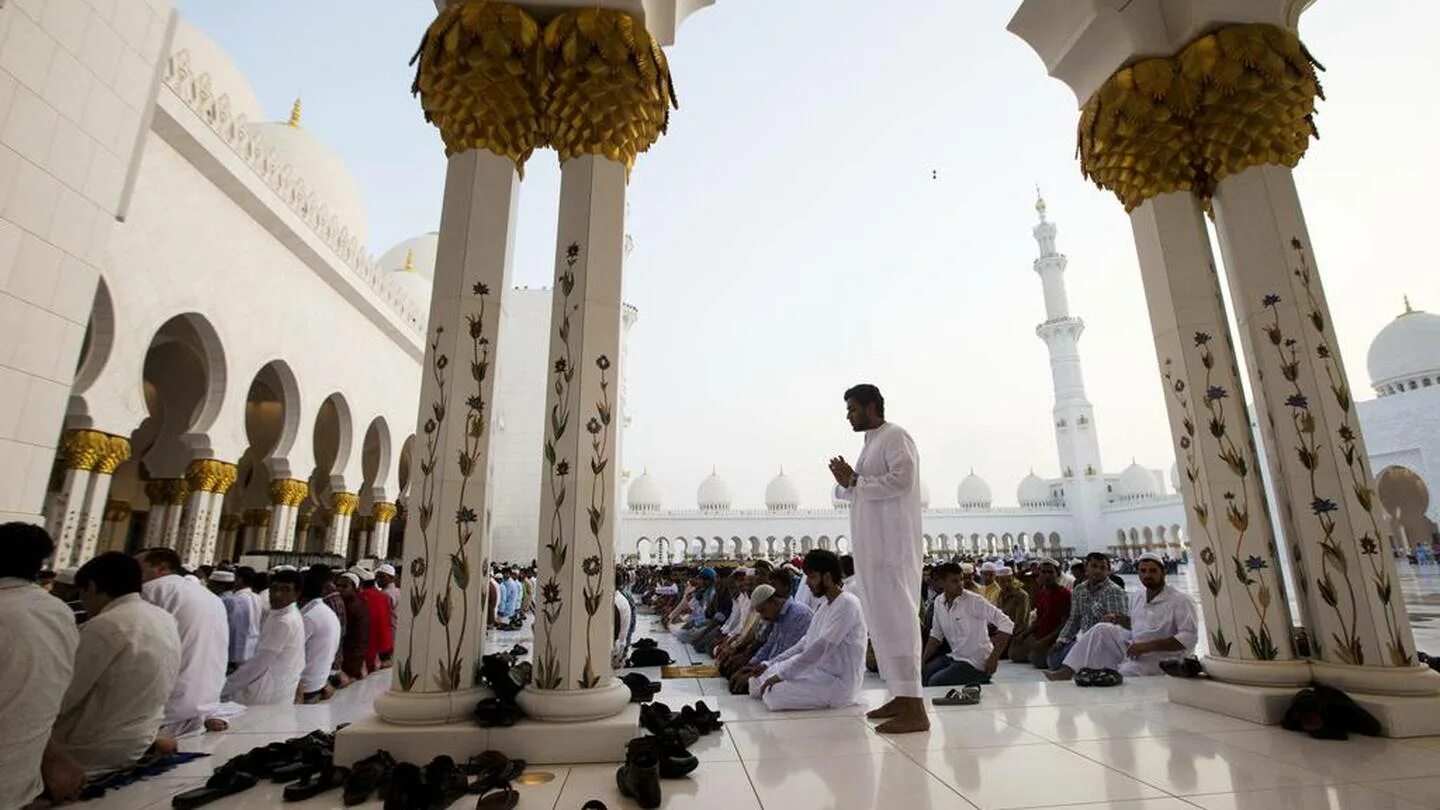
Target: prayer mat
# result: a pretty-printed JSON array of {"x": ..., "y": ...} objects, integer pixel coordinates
[
  {"x": 696, "y": 671},
  {"x": 96, "y": 788}
]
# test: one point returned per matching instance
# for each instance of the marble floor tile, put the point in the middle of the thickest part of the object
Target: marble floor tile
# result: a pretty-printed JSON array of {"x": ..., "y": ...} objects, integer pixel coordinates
[
  {"x": 1095, "y": 722},
  {"x": 971, "y": 728},
  {"x": 1310, "y": 797},
  {"x": 1424, "y": 791},
  {"x": 1357, "y": 758},
  {"x": 1044, "y": 775},
  {"x": 887, "y": 779},
  {"x": 1184, "y": 764},
  {"x": 1168, "y": 803},
  {"x": 804, "y": 738},
  {"x": 718, "y": 786}
]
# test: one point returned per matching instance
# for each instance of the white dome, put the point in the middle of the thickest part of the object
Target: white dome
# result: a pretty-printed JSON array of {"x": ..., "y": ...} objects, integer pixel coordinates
[
  {"x": 419, "y": 251},
  {"x": 416, "y": 287},
  {"x": 321, "y": 169},
  {"x": 924, "y": 495},
  {"x": 973, "y": 493},
  {"x": 644, "y": 494},
  {"x": 781, "y": 493},
  {"x": 1137, "y": 482},
  {"x": 1407, "y": 350},
  {"x": 225, "y": 78},
  {"x": 1033, "y": 491},
  {"x": 714, "y": 494}
]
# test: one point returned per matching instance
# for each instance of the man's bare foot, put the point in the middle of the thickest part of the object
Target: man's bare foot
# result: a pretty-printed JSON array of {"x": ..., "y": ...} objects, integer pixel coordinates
[
  {"x": 891, "y": 709},
  {"x": 215, "y": 724},
  {"x": 1060, "y": 674},
  {"x": 910, "y": 717},
  {"x": 164, "y": 745}
]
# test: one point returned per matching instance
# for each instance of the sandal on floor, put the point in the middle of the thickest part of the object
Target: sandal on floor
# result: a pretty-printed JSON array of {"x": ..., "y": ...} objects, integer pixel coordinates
[
  {"x": 1187, "y": 667},
  {"x": 224, "y": 782},
  {"x": 315, "y": 783},
  {"x": 367, "y": 776},
  {"x": 964, "y": 696},
  {"x": 518, "y": 650},
  {"x": 594, "y": 804},
  {"x": 406, "y": 789},
  {"x": 501, "y": 798},
  {"x": 1107, "y": 677},
  {"x": 1086, "y": 677},
  {"x": 644, "y": 643}
]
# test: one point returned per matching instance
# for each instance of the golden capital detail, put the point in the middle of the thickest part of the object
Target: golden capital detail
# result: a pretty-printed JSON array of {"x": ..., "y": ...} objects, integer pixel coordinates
[
  {"x": 383, "y": 511},
  {"x": 592, "y": 82},
  {"x": 91, "y": 450},
  {"x": 1242, "y": 96},
  {"x": 167, "y": 491},
  {"x": 210, "y": 475},
  {"x": 116, "y": 511},
  {"x": 288, "y": 492},
  {"x": 258, "y": 517},
  {"x": 345, "y": 503}
]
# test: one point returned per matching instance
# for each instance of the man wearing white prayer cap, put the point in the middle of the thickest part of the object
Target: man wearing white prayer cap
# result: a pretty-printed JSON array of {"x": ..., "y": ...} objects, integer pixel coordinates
[
  {"x": 987, "y": 586},
  {"x": 1013, "y": 601},
  {"x": 1161, "y": 625},
  {"x": 240, "y": 617},
  {"x": 385, "y": 580}
]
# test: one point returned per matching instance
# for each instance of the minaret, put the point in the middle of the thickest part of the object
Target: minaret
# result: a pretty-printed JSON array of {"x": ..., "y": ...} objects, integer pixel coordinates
[{"x": 1074, "y": 415}]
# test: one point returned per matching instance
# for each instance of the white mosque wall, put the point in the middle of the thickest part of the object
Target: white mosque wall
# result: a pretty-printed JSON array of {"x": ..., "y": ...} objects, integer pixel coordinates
[
  {"x": 75, "y": 79},
  {"x": 518, "y": 441},
  {"x": 1403, "y": 430}
]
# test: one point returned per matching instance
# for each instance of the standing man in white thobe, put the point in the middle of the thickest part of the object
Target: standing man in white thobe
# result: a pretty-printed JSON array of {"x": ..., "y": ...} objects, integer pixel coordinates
[
  {"x": 1161, "y": 625},
  {"x": 884, "y": 493},
  {"x": 204, "y": 642},
  {"x": 38, "y": 639},
  {"x": 272, "y": 674},
  {"x": 825, "y": 668},
  {"x": 124, "y": 670}
]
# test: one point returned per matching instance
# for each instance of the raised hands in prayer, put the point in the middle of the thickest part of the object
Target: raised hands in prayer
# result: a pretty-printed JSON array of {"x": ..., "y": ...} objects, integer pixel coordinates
[{"x": 843, "y": 472}]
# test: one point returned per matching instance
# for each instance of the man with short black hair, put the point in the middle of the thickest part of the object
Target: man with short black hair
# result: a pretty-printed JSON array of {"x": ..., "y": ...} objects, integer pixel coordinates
[
  {"x": 125, "y": 669},
  {"x": 962, "y": 620},
  {"x": 272, "y": 674},
  {"x": 1094, "y": 600},
  {"x": 204, "y": 641},
  {"x": 1160, "y": 624},
  {"x": 1052, "y": 610},
  {"x": 322, "y": 637},
  {"x": 883, "y": 489},
  {"x": 824, "y": 669},
  {"x": 40, "y": 639}
]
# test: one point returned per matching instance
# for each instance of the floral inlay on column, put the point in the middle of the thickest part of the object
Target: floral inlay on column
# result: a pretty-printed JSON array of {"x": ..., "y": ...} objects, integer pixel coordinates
[{"x": 594, "y": 566}]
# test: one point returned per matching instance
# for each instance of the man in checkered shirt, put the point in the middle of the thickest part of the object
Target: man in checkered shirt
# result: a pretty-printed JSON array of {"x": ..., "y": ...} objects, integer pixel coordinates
[{"x": 1094, "y": 600}]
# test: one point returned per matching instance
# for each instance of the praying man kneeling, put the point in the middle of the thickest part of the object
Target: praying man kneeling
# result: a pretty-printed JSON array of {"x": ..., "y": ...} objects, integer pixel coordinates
[{"x": 826, "y": 667}]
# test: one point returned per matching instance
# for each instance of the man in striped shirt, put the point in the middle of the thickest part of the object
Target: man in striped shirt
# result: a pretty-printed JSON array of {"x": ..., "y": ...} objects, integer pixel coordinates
[{"x": 1094, "y": 600}]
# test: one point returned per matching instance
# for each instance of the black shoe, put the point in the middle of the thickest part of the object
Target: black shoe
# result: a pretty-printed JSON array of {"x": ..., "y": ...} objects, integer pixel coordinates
[
  {"x": 367, "y": 776},
  {"x": 444, "y": 783},
  {"x": 675, "y": 761},
  {"x": 518, "y": 650},
  {"x": 406, "y": 788},
  {"x": 639, "y": 779},
  {"x": 492, "y": 712},
  {"x": 1187, "y": 667},
  {"x": 642, "y": 689},
  {"x": 326, "y": 779},
  {"x": 496, "y": 669},
  {"x": 644, "y": 643},
  {"x": 227, "y": 780},
  {"x": 656, "y": 717}
]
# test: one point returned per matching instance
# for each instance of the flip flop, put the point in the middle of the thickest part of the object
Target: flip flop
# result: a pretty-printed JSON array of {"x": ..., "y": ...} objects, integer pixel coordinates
[
  {"x": 1108, "y": 677},
  {"x": 321, "y": 781},
  {"x": 224, "y": 782},
  {"x": 1188, "y": 667},
  {"x": 964, "y": 696}
]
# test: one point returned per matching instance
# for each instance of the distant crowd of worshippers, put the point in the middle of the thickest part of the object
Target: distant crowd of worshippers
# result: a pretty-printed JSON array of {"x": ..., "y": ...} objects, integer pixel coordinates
[{"x": 794, "y": 635}]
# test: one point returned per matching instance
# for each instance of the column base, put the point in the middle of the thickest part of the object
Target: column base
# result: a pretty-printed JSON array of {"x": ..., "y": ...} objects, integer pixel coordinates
[
  {"x": 1290, "y": 673},
  {"x": 428, "y": 708},
  {"x": 1416, "y": 681},
  {"x": 539, "y": 743},
  {"x": 1258, "y": 704},
  {"x": 575, "y": 705}
]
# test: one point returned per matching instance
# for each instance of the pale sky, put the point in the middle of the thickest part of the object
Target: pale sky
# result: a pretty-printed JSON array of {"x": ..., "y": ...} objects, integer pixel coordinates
[{"x": 790, "y": 239}]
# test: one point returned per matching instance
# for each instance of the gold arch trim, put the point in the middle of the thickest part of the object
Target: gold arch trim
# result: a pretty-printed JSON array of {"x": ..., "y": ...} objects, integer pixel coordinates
[{"x": 1242, "y": 96}]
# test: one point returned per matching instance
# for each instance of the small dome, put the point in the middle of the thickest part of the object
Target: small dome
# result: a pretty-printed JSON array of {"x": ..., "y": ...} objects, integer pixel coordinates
[
  {"x": 1033, "y": 491},
  {"x": 924, "y": 495},
  {"x": 714, "y": 494},
  {"x": 320, "y": 168},
  {"x": 1137, "y": 482},
  {"x": 226, "y": 79},
  {"x": 644, "y": 494},
  {"x": 781, "y": 493},
  {"x": 416, "y": 254},
  {"x": 1406, "y": 350},
  {"x": 973, "y": 493}
]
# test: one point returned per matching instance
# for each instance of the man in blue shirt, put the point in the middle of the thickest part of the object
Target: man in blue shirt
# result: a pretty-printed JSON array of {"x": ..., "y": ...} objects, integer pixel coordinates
[{"x": 788, "y": 621}]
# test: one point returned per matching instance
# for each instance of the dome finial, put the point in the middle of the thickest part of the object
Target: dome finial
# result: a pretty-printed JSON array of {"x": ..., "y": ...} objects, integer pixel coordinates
[
  {"x": 1408, "y": 308},
  {"x": 409, "y": 261},
  {"x": 1039, "y": 203},
  {"x": 294, "y": 114}
]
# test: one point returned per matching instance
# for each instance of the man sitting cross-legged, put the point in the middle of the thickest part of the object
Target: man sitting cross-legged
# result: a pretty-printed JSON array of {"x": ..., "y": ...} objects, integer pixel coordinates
[
  {"x": 125, "y": 669},
  {"x": 272, "y": 674},
  {"x": 1093, "y": 599},
  {"x": 962, "y": 618},
  {"x": 1161, "y": 625},
  {"x": 826, "y": 667}
]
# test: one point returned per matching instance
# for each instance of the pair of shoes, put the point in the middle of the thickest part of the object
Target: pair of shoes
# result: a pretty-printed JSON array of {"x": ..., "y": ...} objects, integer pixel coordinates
[
  {"x": 1098, "y": 677},
  {"x": 368, "y": 776},
  {"x": 492, "y": 712},
  {"x": 701, "y": 717},
  {"x": 492, "y": 769},
  {"x": 639, "y": 778},
  {"x": 658, "y": 719},
  {"x": 327, "y": 778},
  {"x": 227, "y": 780},
  {"x": 642, "y": 689},
  {"x": 645, "y": 644},
  {"x": 1187, "y": 667},
  {"x": 964, "y": 696},
  {"x": 674, "y": 761}
]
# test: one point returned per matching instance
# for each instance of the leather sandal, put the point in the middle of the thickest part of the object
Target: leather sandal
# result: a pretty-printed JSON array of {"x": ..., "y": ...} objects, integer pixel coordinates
[
  {"x": 325, "y": 779},
  {"x": 366, "y": 777},
  {"x": 225, "y": 781}
]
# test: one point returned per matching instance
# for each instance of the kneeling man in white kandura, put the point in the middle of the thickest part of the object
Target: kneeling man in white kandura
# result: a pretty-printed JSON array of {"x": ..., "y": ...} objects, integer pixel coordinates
[
  {"x": 825, "y": 668},
  {"x": 1161, "y": 625}
]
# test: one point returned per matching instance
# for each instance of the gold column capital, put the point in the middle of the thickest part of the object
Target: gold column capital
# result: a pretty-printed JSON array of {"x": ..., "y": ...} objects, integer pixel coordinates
[
  {"x": 257, "y": 517},
  {"x": 383, "y": 511},
  {"x": 210, "y": 475},
  {"x": 288, "y": 492},
  {"x": 477, "y": 75},
  {"x": 117, "y": 452},
  {"x": 1238, "y": 97},
  {"x": 607, "y": 87},
  {"x": 84, "y": 449},
  {"x": 167, "y": 491},
  {"x": 345, "y": 503},
  {"x": 116, "y": 511}
]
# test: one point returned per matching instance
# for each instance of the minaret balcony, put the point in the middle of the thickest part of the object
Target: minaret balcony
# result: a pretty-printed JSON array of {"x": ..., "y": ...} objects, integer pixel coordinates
[{"x": 1067, "y": 325}]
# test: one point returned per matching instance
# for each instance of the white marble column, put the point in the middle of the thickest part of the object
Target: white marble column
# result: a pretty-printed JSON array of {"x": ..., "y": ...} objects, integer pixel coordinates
[
  {"x": 337, "y": 534},
  {"x": 573, "y": 678},
  {"x": 447, "y": 543},
  {"x": 383, "y": 512},
  {"x": 162, "y": 523},
  {"x": 1241, "y": 591},
  {"x": 207, "y": 481},
  {"x": 1359, "y": 631},
  {"x": 115, "y": 530},
  {"x": 286, "y": 495}
]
